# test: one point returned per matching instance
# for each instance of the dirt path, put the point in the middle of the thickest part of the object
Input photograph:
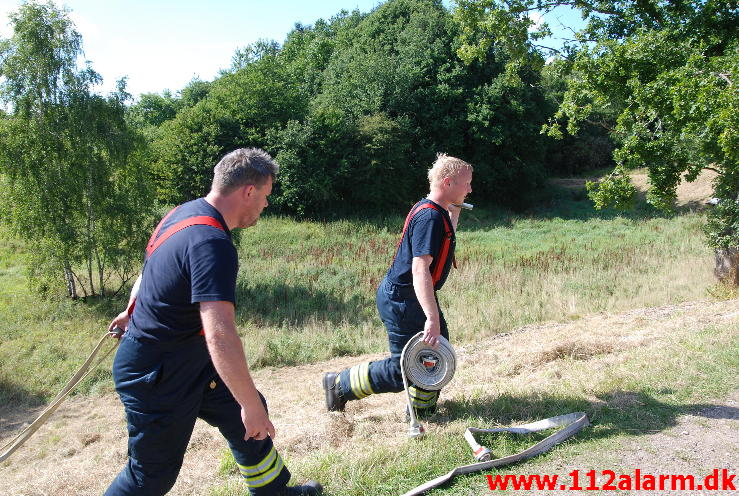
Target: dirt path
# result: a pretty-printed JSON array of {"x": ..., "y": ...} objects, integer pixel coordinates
[
  {"x": 698, "y": 443},
  {"x": 83, "y": 446}
]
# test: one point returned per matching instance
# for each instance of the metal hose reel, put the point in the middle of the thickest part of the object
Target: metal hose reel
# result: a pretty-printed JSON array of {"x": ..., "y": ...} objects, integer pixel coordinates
[{"x": 428, "y": 368}]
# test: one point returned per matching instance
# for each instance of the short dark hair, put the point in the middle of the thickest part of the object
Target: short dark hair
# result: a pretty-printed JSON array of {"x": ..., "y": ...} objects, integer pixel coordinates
[{"x": 242, "y": 167}]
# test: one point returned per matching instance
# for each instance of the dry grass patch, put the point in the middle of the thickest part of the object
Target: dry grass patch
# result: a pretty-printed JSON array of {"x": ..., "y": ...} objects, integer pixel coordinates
[
  {"x": 573, "y": 351},
  {"x": 695, "y": 193},
  {"x": 602, "y": 363}
]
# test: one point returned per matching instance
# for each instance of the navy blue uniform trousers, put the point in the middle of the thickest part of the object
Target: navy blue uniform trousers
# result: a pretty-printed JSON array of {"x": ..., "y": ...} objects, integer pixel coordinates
[
  {"x": 403, "y": 317},
  {"x": 164, "y": 389}
]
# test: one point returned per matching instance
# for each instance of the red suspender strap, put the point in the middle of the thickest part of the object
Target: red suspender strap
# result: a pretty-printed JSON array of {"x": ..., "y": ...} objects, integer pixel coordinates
[
  {"x": 405, "y": 227},
  {"x": 443, "y": 253},
  {"x": 153, "y": 237},
  {"x": 155, "y": 242},
  {"x": 131, "y": 306},
  {"x": 158, "y": 228},
  {"x": 201, "y": 220}
]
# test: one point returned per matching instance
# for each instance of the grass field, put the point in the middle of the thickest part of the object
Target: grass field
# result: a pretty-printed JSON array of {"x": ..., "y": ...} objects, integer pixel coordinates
[
  {"x": 306, "y": 294},
  {"x": 643, "y": 391},
  {"x": 306, "y": 289},
  {"x": 636, "y": 374}
]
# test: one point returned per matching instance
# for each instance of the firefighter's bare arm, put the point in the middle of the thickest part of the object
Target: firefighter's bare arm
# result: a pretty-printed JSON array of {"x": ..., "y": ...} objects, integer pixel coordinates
[
  {"x": 122, "y": 318},
  {"x": 228, "y": 357},
  {"x": 424, "y": 287}
]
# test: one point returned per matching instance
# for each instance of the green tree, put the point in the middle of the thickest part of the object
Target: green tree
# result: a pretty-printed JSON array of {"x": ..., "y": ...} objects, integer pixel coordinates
[
  {"x": 666, "y": 69},
  {"x": 238, "y": 110},
  {"x": 73, "y": 186},
  {"x": 154, "y": 109},
  {"x": 361, "y": 104},
  {"x": 399, "y": 62},
  {"x": 592, "y": 146}
]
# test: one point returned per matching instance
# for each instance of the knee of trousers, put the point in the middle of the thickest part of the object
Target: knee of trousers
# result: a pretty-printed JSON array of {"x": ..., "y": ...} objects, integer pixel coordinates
[{"x": 136, "y": 480}]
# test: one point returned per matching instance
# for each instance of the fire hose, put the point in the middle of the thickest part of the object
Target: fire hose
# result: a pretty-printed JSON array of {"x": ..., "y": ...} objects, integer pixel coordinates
[
  {"x": 432, "y": 369},
  {"x": 78, "y": 377},
  {"x": 425, "y": 367}
]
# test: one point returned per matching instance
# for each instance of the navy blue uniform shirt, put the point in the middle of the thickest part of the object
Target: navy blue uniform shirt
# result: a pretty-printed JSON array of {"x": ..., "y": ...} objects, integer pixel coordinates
[
  {"x": 424, "y": 236},
  {"x": 196, "y": 264}
]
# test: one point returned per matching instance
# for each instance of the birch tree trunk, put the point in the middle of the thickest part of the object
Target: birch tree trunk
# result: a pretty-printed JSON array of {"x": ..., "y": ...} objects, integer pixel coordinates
[{"x": 69, "y": 277}]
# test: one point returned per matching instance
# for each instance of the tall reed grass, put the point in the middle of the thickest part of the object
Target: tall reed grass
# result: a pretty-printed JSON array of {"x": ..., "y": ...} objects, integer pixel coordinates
[{"x": 306, "y": 289}]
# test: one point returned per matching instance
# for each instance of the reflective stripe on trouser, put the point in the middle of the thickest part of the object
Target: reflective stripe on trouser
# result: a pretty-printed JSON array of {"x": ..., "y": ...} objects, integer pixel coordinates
[
  {"x": 356, "y": 382},
  {"x": 263, "y": 473},
  {"x": 422, "y": 399},
  {"x": 403, "y": 318},
  {"x": 164, "y": 391}
]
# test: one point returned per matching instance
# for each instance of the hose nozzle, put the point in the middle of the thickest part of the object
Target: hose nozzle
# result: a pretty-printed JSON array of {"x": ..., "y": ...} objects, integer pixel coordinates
[{"x": 416, "y": 430}]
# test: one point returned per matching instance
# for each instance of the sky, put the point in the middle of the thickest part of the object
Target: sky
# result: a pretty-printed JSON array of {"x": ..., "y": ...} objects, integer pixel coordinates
[{"x": 164, "y": 44}]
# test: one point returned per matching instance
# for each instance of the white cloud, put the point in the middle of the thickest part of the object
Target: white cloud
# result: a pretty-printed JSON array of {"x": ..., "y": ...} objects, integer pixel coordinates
[
  {"x": 89, "y": 30},
  {"x": 5, "y": 9},
  {"x": 537, "y": 19}
]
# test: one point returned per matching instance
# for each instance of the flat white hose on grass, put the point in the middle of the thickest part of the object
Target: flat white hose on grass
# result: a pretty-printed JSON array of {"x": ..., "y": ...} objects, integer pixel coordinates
[
  {"x": 79, "y": 376},
  {"x": 571, "y": 424},
  {"x": 431, "y": 369}
]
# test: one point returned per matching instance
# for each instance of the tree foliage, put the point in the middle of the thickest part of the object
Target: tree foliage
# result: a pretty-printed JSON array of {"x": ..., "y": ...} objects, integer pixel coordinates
[
  {"x": 73, "y": 185},
  {"x": 665, "y": 69},
  {"x": 355, "y": 109}
]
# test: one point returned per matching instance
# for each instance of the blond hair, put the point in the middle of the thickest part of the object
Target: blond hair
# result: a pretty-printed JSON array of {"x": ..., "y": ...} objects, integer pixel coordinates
[{"x": 446, "y": 166}]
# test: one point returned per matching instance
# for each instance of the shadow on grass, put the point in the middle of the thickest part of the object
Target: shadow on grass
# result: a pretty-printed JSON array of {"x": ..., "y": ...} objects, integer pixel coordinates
[
  {"x": 614, "y": 413},
  {"x": 276, "y": 304},
  {"x": 18, "y": 407}
]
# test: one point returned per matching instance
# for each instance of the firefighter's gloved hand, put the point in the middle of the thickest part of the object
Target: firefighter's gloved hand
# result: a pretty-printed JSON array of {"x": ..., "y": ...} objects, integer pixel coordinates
[{"x": 256, "y": 422}]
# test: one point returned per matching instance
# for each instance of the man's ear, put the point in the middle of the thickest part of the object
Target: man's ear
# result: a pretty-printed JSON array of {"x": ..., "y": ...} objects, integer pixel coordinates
[
  {"x": 248, "y": 191},
  {"x": 447, "y": 181}
]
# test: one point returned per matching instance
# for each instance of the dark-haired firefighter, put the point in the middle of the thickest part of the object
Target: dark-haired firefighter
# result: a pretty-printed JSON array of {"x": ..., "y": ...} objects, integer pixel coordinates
[
  {"x": 180, "y": 358},
  {"x": 406, "y": 297}
]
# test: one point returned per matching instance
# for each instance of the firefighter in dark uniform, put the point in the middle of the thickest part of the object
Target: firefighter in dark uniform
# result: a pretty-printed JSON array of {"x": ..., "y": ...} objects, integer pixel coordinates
[
  {"x": 406, "y": 297},
  {"x": 181, "y": 358}
]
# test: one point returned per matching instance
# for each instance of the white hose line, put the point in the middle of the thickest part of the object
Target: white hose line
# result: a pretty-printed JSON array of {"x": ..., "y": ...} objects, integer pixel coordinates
[
  {"x": 572, "y": 423},
  {"x": 81, "y": 374}
]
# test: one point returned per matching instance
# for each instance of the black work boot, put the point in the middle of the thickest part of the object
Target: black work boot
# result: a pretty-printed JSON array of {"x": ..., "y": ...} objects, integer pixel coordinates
[
  {"x": 310, "y": 488},
  {"x": 334, "y": 401}
]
